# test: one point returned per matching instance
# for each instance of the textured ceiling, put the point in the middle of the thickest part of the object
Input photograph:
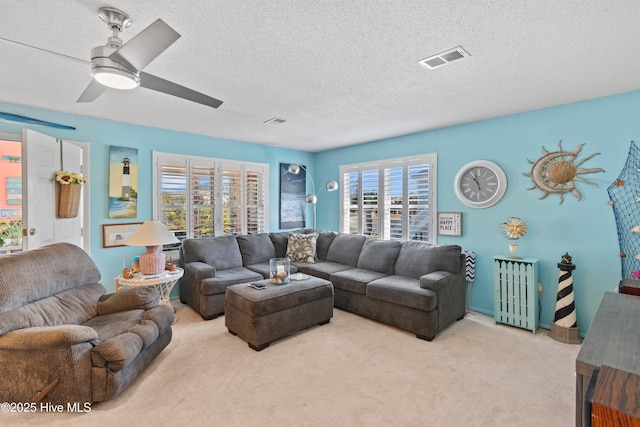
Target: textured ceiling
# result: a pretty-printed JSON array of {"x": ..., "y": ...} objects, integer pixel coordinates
[{"x": 339, "y": 72}]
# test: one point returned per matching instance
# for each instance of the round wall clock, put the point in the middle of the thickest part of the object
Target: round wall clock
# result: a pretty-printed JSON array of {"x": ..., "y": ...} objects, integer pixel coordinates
[{"x": 480, "y": 184}]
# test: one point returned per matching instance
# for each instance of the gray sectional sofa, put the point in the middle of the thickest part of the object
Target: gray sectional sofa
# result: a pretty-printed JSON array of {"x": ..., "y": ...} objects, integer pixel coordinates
[{"x": 414, "y": 286}]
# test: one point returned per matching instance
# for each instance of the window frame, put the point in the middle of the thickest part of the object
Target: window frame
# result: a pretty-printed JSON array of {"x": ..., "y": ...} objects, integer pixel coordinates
[
  {"x": 218, "y": 166},
  {"x": 384, "y": 203}
]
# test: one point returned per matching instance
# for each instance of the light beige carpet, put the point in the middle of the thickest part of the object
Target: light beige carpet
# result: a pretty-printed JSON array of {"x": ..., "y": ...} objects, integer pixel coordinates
[{"x": 350, "y": 372}]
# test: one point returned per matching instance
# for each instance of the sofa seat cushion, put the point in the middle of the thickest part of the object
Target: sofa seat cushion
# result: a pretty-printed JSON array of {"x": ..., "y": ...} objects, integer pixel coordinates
[
  {"x": 255, "y": 248},
  {"x": 322, "y": 269},
  {"x": 277, "y": 298},
  {"x": 74, "y": 306},
  {"x": 403, "y": 291},
  {"x": 224, "y": 278},
  {"x": 263, "y": 269},
  {"x": 355, "y": 279}
]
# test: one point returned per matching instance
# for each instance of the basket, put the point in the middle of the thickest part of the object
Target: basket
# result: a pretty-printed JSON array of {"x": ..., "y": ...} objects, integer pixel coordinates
[{"x": 69, "y": 200}]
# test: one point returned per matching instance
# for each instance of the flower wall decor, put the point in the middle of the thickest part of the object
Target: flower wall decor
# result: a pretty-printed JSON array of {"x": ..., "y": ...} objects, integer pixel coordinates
[{"x": 513, "y": 229}]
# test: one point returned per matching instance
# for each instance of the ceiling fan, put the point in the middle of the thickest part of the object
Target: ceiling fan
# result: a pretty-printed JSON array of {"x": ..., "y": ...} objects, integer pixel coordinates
[{"x": 119, "y": 66}]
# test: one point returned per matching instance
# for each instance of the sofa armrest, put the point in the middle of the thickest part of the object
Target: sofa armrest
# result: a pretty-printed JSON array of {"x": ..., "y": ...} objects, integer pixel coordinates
[
  {"x": 450, "y": 291},
  {"x": 437, "y": 280},
  {"x": 128, "y": 299},
  {"x": 39, "y": 338},
  {"x": 196, "y": 272}
]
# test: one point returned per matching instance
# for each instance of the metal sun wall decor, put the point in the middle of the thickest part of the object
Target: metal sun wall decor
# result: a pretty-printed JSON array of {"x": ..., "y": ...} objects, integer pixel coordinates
[
  {"x": 556, "y": 172},
  {"x": 624, "y": 197}
]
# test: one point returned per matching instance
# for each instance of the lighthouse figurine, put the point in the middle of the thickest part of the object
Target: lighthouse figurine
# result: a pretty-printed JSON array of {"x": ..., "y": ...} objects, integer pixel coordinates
[{"x": 565, "y": 327}]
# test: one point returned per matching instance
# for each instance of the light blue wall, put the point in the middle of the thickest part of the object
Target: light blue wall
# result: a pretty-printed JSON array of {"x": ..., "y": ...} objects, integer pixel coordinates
[
  {"x": 103, "y": 133},
  {"x": 586, "y": 228}
]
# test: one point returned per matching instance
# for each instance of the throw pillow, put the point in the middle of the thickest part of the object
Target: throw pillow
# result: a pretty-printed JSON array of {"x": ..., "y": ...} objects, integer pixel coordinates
[{"x": 302, "y": 247}]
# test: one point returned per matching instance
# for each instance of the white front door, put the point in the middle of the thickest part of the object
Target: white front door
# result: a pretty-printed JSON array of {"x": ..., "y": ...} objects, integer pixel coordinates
[{"x": 42, "y": 157}]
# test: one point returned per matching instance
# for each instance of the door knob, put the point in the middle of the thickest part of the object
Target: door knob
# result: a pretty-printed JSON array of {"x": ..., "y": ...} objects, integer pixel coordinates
[{"x": 32, "y": 231}]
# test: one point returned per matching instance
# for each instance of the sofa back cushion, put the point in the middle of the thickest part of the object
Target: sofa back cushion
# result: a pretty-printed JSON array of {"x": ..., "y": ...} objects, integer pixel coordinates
[
  {"x": 256, "y": 248},
  {"x": 33, "y": 275},
  {"x": 346, "y": 248},
  {"x": 379, "y": 255},
  {"x": 279, "y": 240},
  {"x": 417, "y": 259},
  {"x": 325, "y": 238},
  {"x": 71, "y": 307},
  {"x": 222, "y": 252}
]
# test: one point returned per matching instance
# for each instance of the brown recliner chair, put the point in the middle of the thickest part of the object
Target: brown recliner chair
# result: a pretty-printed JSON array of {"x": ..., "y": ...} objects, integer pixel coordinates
[{"x": 63, "y": 339}]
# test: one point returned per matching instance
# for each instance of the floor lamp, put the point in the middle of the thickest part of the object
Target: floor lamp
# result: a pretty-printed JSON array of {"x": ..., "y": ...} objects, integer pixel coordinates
[{"x": 331, "y": 185}]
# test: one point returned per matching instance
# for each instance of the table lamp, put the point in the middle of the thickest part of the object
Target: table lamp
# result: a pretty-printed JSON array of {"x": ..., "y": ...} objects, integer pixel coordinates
[{"x": 152, "y": 234}]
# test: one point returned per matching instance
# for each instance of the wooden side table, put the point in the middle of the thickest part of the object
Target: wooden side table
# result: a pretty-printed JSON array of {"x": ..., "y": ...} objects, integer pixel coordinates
[{"x": 164, "y": 282}]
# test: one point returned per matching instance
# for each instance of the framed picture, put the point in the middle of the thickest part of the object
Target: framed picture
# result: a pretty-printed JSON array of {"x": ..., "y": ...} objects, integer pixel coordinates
[
  {"x": 123, "y": 182},
  {"x": 114, "y": 235},
  {"x": 450, "y": 223},
  {"x": 293, "y": 206}
]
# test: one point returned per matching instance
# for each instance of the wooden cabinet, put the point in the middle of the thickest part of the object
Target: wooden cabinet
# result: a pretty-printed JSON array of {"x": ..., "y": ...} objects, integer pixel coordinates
[{"x": 516, "y": 292}]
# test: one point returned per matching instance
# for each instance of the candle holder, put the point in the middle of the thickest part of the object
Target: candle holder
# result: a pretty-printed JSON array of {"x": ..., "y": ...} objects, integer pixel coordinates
[{"x": 279, "y": 271}]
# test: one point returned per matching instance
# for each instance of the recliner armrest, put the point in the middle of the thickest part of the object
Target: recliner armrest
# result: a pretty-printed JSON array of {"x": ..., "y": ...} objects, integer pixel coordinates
[
  {"x": 41, "y": 337},
  {"x": 129, "y": 299}
]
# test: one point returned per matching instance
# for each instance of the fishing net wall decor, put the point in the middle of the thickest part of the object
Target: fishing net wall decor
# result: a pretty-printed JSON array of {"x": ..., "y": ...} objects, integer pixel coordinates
[{"x": 624, "y": 197}]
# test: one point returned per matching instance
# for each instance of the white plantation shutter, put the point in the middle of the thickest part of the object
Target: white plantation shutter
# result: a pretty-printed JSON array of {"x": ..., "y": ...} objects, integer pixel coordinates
[
  {"x": 172, "y": 197},
  {"x": 202, "y": 197},
  {"x": 370, "y": 202},
  {"x": 394, "y": 208},
  {"x": 419, "y": 202},
  {"x": 390, "y": 200},
  {"x": 254, "y": 199},
  {"x": 232, "y": 201},
  {"x": 202, "y": 193}
]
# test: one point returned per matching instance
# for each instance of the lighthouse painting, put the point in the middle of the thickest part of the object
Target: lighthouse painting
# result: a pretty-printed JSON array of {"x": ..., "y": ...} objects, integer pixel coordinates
[{"x": 123, "y": 182}]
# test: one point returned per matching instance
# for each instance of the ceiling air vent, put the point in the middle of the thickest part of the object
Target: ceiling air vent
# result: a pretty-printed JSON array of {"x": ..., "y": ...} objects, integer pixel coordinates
[
  {"x": 275, "y": 121},
  {"x": 443, "y": 58}
]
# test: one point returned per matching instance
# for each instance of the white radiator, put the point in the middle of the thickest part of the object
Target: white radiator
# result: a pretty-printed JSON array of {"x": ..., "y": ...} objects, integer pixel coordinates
[{"x": 516, "y": 292}]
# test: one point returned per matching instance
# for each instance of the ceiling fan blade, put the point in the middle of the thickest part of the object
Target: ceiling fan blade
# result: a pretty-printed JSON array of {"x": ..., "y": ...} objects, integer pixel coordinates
[
  {"x": 60, "y": 55},
  {"x": 146, "y": 46},
  {"x": 24, "y": 119},
  {"x": 93, "y": 91},
  {"x": 165, "y": 86}
]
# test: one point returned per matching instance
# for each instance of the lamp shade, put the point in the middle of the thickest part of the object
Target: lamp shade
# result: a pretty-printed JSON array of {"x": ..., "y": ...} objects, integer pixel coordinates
[{"x": 151, "y": 233}]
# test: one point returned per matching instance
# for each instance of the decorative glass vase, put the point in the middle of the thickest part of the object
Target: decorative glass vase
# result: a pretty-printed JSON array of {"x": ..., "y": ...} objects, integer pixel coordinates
[
  {"x": 279, "y": 271},
  {"x": 513, "y": 248}
]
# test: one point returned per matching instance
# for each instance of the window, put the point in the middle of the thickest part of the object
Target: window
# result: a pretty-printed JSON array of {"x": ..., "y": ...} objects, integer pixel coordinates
[
  {"x": 203, "y": 197},
  {"x": 390, "y": 199}
]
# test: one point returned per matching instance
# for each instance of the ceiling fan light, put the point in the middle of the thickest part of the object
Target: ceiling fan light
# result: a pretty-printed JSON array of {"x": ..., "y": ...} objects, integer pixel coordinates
[{"x": 115, "y": 78}]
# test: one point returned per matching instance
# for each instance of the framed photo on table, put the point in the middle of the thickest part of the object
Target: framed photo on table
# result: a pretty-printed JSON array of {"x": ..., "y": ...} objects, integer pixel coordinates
[
  {"x": 114, "y": 235},
  {"x": 450, "y": 223}
]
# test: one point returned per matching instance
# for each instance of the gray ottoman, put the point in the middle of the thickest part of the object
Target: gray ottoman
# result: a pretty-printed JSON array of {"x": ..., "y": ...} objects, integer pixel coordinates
[{"x": 261, "y": 316}]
